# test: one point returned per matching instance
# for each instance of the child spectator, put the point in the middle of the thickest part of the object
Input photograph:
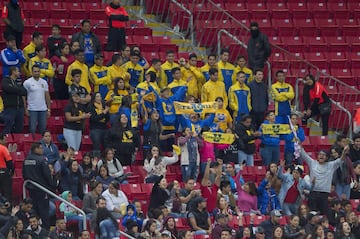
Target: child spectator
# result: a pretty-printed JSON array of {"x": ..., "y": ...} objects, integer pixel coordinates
[
  {"x": 267, "y": 197},
  {"x": 70, "y": 213},
  {"x": 131, "y": 215}
]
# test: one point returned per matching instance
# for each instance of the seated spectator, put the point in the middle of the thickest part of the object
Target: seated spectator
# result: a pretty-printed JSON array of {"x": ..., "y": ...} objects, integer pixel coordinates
[
  {"x": 170, "y": 226},
  {"x": 142, "y": 61},
  {"x": 139, "y": 212},
  {"x": 84, "y": 234},
  {"x": 51, "y": 151},
  {"x": 156, "y": 214},
  {"x": 355, "y": 190},
  {"x": 313, "y": 220},
  {"x": 132, "y": 228},
  {"x": 247, "y": 195},
  {"x": 353, "y": 221},
  {"x": 114, "y": 166},
  {"x": 150, "y": 231},
  {"x": 25, "y": 211},
  {"x": 318, "y": 232},
  {"x": 278, "y": 233},
  {"x": 100, "y": 202},
  {"x": 187, "y": 234},
  {"x": 303, "y": 213},
  {"x": 293, "y": 228},
  {"x": 104, "y": 177},
  {"x": 16, "y": 231},
  {"x": 156, "y": 166},
  {"x": 89, "y": 201},
  {"x": 335, "y": 213},
  {"x": 198, "y": 217},
  {"x": 71, "y": 179},
  {"x": 69, "y": 212},
  {"x": 159, "y": 194},
  {"x": 270, "y": 224},
  {"x": 59, "y": 232},
  {"x": 230, "y": 175},
  {"x": 188, "y": 193},
  {"x": 69, "y": 155},
  {"x": 267, "y": 197},
  {"x": 174, "y": 202},
  {"x": 116, "y": 200},
  {"x": 89, "y": 168},
  {"x": 226, "y": 203},
  {"x": 346, "y": 206},
  {"x": 34, "y": 228},
  {"x": 220, "y": 224},
  {"x": 131, "y": 215},
  {"x": 106, "y": 224}
]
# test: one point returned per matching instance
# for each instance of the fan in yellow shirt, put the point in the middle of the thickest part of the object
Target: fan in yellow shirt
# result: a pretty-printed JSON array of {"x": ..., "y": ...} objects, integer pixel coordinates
[
  {"x": 222, "y": 117},
  {"x": 116, "y": 71},
  {"x": 79, "y": 63},
  {"x": 211, "y": 63},
  {"x": 241, "y": 66},
  {"x": 214, "y": 89},
  {"x": 46, "y": 70},
  {"x": 29, "y": 51},
  {"x": 191, "y": 70},
  {"x": 114, "y": 97},
  {"x": 166, "y": 76},
  {"x": 99, "y": 76}
]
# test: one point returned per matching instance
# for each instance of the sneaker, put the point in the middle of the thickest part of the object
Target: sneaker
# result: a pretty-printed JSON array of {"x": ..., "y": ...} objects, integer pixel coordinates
[
  {"x": 14, "y": 147},
  {"x": 10, "y": 147}
]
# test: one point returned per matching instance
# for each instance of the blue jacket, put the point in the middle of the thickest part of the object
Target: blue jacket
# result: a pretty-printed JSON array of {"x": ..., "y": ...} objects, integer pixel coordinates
[
  {"x": 287, "y": 180},
  {"x": 265, "y": 197},
  {"x": 197, "y": 126},
  {"x": 51, "y": 152},
  {"x": 289, "y": 139},
  {"x": 10, "y": 58},
  {"x": 270, "y": 139},
  {"x": 134, "y": 217}
]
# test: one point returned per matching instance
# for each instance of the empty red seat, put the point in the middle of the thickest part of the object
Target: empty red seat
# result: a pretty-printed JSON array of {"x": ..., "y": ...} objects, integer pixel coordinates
[
  {"x": 336, "y": 56},
  {"x": 315, "y": 57},
  {"x": 321, "y": 142}
]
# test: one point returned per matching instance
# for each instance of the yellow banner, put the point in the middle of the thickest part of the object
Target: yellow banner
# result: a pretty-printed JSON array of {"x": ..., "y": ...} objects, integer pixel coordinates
[
  {"x": 218, "y": 138},
  {"x": 199, "y": 108},
  {"x": 275, "y": 129},
  {"x": 150, "y": 97}
]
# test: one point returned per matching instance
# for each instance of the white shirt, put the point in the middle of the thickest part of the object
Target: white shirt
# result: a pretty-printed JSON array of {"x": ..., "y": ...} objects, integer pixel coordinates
[
  {"x": 36, "y": 94},
  {"x": 113, "y": 201}
]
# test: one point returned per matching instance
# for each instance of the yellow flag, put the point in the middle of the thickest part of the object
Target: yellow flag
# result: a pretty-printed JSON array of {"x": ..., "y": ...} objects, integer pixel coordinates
[
  {"x": 199, "y": 108},
  {"x": 176, "y": 149},
  {"x": 150, "y": 97},
  {"x": 218, "y": 138},
  {"x": 134, "y": 116},
  {"x": 276, "y": 129}
]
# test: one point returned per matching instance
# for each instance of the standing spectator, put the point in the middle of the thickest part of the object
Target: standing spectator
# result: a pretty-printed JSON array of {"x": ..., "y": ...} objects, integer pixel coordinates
[
  {"x": 71, "y": 179},
  {"x": 321, "y": 172},
  {"x": 74, "y": 120},
  {"x": 55, "y": 41},
  {"x": 13, "y": 93},
  {"x": 29, "y": 51},
  {"x": 100, "y": 76},
  {"x": 123, "y": 139},
  {"x": 198, "y": 217},
  {"x": 214, "y": 88},
  {"x": 74, "y": 45},
  {"x": 116, "y": 200},
  {"x": 6, "y": 169},
  {"x": 117, "y": 18},
  {"x": 61, "y": 64},
  {"x": 259, "y": 98},
  {"x": 226, "y": 69},
  {"x": 270, "y": 224},
  {"x": 177, "y": 80},
  {"x": 142, "y": 62},
  {"x": 89, "y": 42},
  {"x": 270, "y": 143},
  {"x": 13, "y": 17},
  {"x": 166, "y": 74},
  {"x": 189, "y": 193},
  {"x": 223, "y": 119},
  {"x": 240, "y": 97},
  {"x": 208, "y": 189},
  {"x": 51, "y": 151},
  {"x": 267, "y": 197},
  {"x": 152, "y": 129},
  {"x": 125, "y": 53},
  {"x": 211, "y": 63},
  {"x": 116, "y": 71},
  {"x": 35, "y": 168},
  {"x": 290, "y": 140},
  {"x": 35, "y": 230},
  {"x": 75, "y": 87},
  {"x": 316, "y": 102},
  {"x": 283, "y": 94},
  {"x": 38, "y": 101},
  {"x": 79, "y": 63},
  {"x": 98, "y": 122},
  {"x": 11, "y": 56},
  {"x": 293, "y": 189},
  {"x": 247, "y": 194},
  {"x": 114, "y": 98},
  {"x": 159, "y": 193},
  {"x": 241, "y": 66},
  {"x": 46, "y": 70},
  {"x": 246, "y": 140},
  {"x": 134, "y": 69},
  {"x": 190, "y": 70},
  {"x": 155, "y": 71},
  {"x": 259, "y": 48}
]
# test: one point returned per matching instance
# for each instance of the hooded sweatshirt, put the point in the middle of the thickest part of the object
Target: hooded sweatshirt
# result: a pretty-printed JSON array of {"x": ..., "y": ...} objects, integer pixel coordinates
[
  {"x": 133, "y": 217},
  {"x": 66, "y": 209}
]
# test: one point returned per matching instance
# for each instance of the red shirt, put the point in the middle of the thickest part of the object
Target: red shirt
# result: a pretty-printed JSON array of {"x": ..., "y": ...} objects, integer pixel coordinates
[
  {"x": 292, "y": 194},
  {"x": 4, "y": 156},
  {"x": 118, "y": 11},
  {"x": 316, "y": 92},
  {"x": 210, "y": 193}
]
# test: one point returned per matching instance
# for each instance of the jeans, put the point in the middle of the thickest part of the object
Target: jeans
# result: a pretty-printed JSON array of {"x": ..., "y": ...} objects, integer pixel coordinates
[
  {"x": 13, "y": 120},
  {"x": 202, "y": 168},
  {"x": 341, "y": 189},
  {"x": 73, "y": 138},
  {"x": 270, "y": 154},
  {"x": 290, "y": 208},
  {"x": 248, "y": 158},
  {"x": 37, "y": 118},
  {"x": 107, "y": 229},
  {"x": 77, "y": 218},
  {"x": 52, "y": 208},
  {"x": 166, "y": 145},
  {"x": 189, "y": 171},
  {"x": 289, "y": 157},
  {"x": 97, "y": 137},
  {"x": 152, "y": 179},
  {"x": 113, "y": 118},
  {"x": 200, "y": 232}
]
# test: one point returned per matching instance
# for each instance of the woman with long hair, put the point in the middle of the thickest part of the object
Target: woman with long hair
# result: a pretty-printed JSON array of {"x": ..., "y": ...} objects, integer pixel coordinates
[
  {"x": 123, "y": 139},
  {"x": 88, "y": 167},
  {"x": 318, "y": 232},
  {"x": 75, "y": 116},
  {"x": 174, "y": 201},
  {"x": 278, "y": 233},
  {"x": 247, "y": 195},
  {"x": 116, "y": 200},
  {"x": 293, "y": 230},
  {"x": 159, "y": 194},
  {"x": 104, "y": 176},
  {"x": 61, "y": 64},
  {"x": 316, "y": 102},
  {"x": 106, "y": 224},
  {"x": 115, "y": 168},
  {"x": 150, "y": 231},
  {"x": 303, "y": 213},
  {"x": 98, "y": 122},
  {"x": 345, "y": 231},
  {"x": 71, "y": 179},
  {"x": 223, "y": 208},
  {"x": 16, "y": 231},
  {"x": 353, "y": 221},
  {"x": 114, "y": 98},
  {"x": 170, "y": 225},
  {"x": 155, "y": 164}
]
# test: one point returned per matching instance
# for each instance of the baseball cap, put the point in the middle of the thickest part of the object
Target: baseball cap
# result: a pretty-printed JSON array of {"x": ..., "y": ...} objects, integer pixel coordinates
[
  {"x": 260, "y": 230},
  {"x": 312, "y": 214},
  {"x": 275, "y": 213},
  {"x": 74, "y": 92},
  {"x": 166, "y": 233}
]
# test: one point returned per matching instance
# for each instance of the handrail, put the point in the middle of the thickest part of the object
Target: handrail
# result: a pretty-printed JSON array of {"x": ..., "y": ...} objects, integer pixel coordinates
[
  {"x": 126, "y": 235},
  {"x": 235, "y": 39},
  {"x": 191, "y": 21},
  {"x": 55, "y": 196}
]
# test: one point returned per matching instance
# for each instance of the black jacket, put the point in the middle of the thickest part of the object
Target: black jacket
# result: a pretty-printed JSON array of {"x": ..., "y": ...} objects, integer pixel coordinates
[
  {"x": 13, "y": 91},
  {"x": 36, "y": 169},
  {"x": 14, "y": 15},
  {"x": 259, "y": 96},
  {"x": 79, "y": 37},
  {"x": 54, "y": 44},
  {"x": 258, "y": 50},
  {"x": 246, "y": 141},
  {"x": 124, "y": 140},
  {"x": 158, "y": 195}
]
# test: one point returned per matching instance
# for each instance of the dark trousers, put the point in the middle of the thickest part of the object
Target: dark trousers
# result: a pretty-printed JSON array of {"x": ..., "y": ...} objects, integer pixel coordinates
[
  {"x": 166, "y": 145},
  {"x": 41, "y": 206},
  {"x": 6, "y": 184},
  {"x": 318, "y": 202},
  {"x": 98, "y": 138},
  {"x": 13, "y": 120},
  {"x": 61, "y": 89},
  {"x": 125, "y": 159},
  {"x": 116, "y": 39},
  {"x": 324, "y": 120},
  {"x": 18, "y": 35},
  {"x": 257, "y": 118}
]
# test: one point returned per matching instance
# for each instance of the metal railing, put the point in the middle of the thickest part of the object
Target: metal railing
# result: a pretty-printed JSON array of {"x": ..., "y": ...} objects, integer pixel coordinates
[{"x": 55, "y": 196}]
